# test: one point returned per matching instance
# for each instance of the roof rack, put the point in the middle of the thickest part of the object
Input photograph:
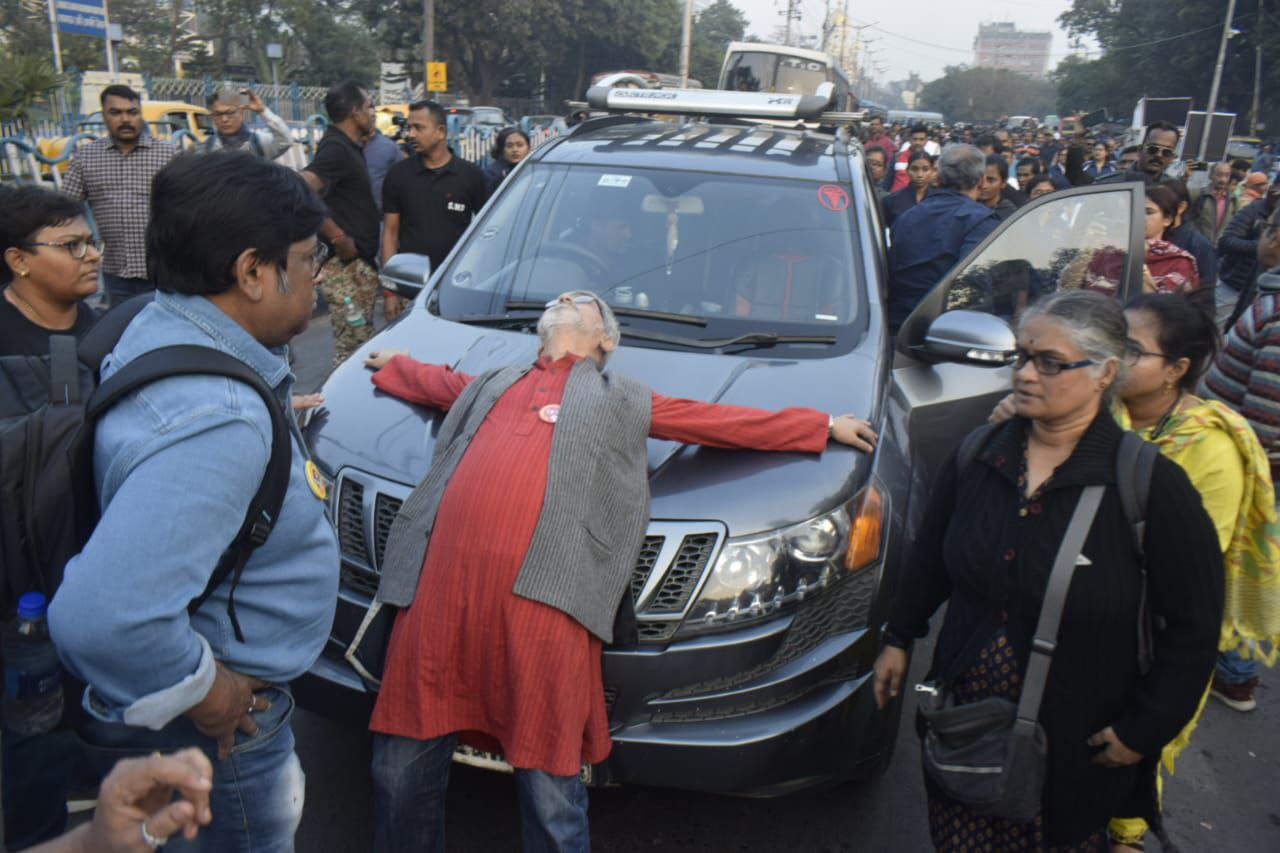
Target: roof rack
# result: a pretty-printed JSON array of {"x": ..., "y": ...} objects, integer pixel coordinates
[{"x": 714, "y": 102}]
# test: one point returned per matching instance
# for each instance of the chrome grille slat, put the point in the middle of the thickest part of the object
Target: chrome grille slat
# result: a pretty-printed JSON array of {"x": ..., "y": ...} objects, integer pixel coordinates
[{"x": 669, "y": 570}]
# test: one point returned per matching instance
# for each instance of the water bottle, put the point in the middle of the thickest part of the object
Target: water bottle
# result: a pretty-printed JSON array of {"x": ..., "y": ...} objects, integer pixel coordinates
[
  {"x": 32, "y": 673},
  {"x": 355, "y": 317}
]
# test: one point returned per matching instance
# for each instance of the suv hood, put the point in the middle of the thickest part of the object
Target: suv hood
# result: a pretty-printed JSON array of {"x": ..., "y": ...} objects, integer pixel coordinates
[{"x": 749, "y": 491}]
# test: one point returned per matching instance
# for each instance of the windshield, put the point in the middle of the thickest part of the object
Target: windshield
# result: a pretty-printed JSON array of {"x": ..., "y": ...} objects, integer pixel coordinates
[
  {"x": 733, "y": 254},
  {"x": 483, "y": 115},
  {"x": 771, "y": 72}
]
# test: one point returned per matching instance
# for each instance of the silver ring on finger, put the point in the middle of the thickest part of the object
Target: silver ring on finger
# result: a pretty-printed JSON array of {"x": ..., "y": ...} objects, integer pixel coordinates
[{"x": 149, "y": 839}]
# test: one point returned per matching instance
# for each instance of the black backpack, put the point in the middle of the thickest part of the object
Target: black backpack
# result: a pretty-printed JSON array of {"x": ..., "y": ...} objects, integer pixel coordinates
[
  {"x": 48, "y": 410},
  {"x": 1135, "y": 461}
]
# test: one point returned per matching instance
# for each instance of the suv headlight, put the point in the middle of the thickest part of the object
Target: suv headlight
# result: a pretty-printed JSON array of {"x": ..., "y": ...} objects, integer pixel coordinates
[{"x": 758, "y": 576}]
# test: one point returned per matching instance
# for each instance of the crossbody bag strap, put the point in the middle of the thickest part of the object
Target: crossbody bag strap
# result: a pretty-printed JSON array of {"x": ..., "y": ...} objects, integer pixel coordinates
[{"x": 1055, "y": 597}]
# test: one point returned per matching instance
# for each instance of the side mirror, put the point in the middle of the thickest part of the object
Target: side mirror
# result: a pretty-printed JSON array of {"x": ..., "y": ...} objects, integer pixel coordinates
[
  {"x": 406, "y": 274},
  {"x": 970, "y": 337}
]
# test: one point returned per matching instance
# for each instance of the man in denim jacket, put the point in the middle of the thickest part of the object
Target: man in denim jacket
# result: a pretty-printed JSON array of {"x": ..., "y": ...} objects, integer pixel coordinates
[{"x": 232, "y": 245}]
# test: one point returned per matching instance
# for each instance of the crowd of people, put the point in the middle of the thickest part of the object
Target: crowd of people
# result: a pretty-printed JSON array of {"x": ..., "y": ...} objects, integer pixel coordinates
[{"x": 235, "y": 249}]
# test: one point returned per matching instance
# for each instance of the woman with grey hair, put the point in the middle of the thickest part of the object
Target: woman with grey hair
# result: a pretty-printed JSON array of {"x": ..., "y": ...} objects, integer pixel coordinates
[{"x": 989, "y": 539}]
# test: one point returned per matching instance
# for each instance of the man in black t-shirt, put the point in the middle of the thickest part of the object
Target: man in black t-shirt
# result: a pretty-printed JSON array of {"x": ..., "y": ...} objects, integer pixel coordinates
[
  {"x": 428, "y": 200},
  {"x": 339, "y": 174}
]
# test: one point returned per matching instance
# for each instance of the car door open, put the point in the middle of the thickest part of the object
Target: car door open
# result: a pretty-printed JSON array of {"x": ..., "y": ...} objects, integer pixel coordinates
[{"x": 1088, "y": 238}]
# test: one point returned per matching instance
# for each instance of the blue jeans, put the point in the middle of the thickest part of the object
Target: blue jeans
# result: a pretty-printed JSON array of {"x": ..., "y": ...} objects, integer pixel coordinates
[
  {"x": 119, "y": 289},
  {"x": 258, "y": 791},
  {"x": 1231, "y": 668},
  {"x": 410, "y": 778}
]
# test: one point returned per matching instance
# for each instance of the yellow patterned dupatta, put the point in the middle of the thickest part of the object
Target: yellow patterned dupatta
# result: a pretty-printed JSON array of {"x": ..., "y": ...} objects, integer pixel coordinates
[{"x": 1252, "y": 559}]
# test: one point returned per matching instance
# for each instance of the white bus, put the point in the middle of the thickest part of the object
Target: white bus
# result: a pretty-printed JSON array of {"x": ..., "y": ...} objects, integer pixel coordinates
[{"x": 756, "y": 67}]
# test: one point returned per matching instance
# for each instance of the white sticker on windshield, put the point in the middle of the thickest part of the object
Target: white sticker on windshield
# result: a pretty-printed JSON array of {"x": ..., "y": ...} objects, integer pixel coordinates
[
  {"x": 614, "y": 181},
  {"x": 829, "y": 317}
]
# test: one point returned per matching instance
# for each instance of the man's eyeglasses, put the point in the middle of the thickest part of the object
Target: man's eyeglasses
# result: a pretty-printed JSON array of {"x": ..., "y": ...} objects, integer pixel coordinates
[
  {"x": 318, "y": 255},
  {"x": 578, "y": 298},
  {"x": 226, "y": 113},
  {"x": 1154, "y": 150},
  {"x": 77, "y": 248},
  {"x": 1046, "y": 365}
]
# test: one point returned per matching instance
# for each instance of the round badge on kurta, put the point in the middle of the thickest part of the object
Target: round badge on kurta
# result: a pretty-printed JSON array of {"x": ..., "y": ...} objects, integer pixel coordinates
[
  {"x": 316, "y": 481},
  {"x": 549, "y": 413}
]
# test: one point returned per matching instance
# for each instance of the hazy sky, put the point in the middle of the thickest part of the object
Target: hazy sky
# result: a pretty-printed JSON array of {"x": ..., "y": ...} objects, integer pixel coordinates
[{"x": 947, "y": 26}]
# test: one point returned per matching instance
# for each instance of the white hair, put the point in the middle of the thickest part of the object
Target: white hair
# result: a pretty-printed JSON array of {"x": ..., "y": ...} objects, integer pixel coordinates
[{"x": 565, "y": 314}]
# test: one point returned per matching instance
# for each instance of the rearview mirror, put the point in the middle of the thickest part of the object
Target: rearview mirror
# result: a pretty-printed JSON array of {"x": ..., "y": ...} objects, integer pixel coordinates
[
  {"x": 406, "y": 274},
  {"x": 970, "y": 337},
  {"x": 684, "y": 205}
]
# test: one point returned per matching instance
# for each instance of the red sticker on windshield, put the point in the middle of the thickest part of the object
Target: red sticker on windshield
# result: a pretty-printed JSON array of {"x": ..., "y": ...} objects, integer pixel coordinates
[{"x": 833, "y": 197}]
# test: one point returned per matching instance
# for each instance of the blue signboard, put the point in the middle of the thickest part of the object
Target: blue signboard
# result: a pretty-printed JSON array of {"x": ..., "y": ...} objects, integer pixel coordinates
[{"x": 84, "y": 17}]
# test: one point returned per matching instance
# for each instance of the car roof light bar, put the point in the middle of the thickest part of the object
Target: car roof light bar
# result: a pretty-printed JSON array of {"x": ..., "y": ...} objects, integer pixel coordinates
[
  {"x": 713, "y": 102},
  {"x": 708, "y": 102}
]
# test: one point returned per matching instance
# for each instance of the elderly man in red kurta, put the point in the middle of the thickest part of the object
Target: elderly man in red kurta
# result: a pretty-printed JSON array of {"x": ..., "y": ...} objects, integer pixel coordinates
[{"x": 533, "y": 513}]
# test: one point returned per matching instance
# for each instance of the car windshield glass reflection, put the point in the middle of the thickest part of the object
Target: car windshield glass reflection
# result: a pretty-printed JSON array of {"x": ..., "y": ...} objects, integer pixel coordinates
[
  {"x": 1076, "y": 243},
  {"x": 754, "y": 253}
]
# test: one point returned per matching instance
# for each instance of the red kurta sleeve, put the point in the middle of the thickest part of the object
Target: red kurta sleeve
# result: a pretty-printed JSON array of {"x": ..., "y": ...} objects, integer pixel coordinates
[
  {"x": 720, "y": 425},
  {"x": 431, "y": 385}
]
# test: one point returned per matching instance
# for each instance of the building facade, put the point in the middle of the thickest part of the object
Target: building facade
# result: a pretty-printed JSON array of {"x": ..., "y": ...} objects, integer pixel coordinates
[{"x": 1003, "y": 45}]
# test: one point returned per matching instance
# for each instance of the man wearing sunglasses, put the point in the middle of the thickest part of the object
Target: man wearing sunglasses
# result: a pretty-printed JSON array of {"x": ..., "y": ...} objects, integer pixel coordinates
[
  {"x": 1158, "y": 152},
  {"x": 530, "y": 521}
]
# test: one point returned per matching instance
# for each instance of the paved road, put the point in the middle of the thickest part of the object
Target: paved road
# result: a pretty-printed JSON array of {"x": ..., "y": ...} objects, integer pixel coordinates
[{"x": 1223, "y": 798}]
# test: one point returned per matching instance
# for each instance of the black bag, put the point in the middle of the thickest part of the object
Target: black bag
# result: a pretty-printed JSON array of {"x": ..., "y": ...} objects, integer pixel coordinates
[
  {"x": 991, "y": 754},
  {"x": 48, "y": 410}
]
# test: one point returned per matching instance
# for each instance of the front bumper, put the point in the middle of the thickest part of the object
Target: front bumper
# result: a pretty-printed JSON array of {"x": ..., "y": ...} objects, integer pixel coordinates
[{"x": 759, "y": 711}]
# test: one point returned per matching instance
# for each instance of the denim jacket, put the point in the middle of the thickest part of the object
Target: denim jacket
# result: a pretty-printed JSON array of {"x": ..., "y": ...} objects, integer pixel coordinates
[{"x": 176, "y": 464}]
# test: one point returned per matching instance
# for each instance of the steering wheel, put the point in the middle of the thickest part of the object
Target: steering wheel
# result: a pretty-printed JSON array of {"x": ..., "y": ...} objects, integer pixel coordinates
[{"x": 591, "y": 263}]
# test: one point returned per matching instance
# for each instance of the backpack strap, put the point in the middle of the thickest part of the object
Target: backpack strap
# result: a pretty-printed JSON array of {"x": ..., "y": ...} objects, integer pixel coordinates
[
  {"x": 264, "y": 508},
  {"x": 103, "y": 336},
  {"x": 1135, "y": 462},
  {"x": 64, "y": 370}
]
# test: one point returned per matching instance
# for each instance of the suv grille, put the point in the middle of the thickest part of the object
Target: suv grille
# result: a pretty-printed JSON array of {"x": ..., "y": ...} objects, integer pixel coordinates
[{"x": 673, "y": 557}]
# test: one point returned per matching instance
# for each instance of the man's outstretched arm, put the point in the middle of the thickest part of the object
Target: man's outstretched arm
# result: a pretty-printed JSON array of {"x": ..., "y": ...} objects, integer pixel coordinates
[
  {"x": 428, "y": 384},
  {"x": 719, "y": 425}
]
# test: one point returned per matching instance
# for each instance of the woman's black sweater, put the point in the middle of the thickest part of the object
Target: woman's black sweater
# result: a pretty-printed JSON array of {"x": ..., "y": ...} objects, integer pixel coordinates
[{"x": 990, "y": 564}]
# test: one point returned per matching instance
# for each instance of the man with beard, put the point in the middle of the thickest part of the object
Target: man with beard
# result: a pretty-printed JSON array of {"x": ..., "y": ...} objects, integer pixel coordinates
[{"x": 114, "y": 175}]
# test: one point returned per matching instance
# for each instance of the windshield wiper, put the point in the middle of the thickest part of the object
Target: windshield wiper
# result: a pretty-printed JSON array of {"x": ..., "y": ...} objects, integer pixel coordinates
[
  {"x": 623, "y": 311},
  {"x": 750, "y": 339},
  {"x": 497, "y": 319}
]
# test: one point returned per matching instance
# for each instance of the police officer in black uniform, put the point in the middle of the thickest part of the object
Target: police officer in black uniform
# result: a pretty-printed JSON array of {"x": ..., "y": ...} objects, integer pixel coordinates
[{"x": 428, "y": 200}]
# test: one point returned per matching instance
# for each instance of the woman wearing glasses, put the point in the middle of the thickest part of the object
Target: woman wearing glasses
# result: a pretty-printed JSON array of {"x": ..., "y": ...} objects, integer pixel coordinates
[
  {"x": 985, "y": 549},
  {"x": 50, "y": 266}
]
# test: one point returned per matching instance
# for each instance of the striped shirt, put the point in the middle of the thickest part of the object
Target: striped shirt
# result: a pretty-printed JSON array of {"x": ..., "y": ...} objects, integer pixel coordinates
[
  {"x": 1246, "y": 375},
  {"x": 118, "y": 189}
]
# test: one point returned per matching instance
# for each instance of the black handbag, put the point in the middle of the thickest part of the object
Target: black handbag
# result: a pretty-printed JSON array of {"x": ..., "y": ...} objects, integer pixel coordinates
[{"x": 990, "y": 754}]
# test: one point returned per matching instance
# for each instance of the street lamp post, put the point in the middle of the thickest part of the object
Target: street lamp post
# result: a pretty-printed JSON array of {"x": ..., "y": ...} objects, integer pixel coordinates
[
  {"x": 275, "y": 52},
  {"x": 1217, "y": 79}
]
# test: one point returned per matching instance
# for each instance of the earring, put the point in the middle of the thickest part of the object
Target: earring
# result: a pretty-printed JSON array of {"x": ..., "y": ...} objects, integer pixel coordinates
[{"x": 24, "y": 273}]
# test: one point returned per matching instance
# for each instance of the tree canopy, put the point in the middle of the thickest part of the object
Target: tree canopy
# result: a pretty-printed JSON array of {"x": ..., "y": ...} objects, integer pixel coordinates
[
  {"x": 986, "y": 94},
  {"x": 1168, "y": 48}
]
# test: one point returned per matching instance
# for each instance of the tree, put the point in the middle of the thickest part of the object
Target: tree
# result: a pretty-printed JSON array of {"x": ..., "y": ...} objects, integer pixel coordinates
[
  {"x": 1168, "y": 49},
  {"x": 25, "y": 78},
  {"x": 986, "y": 94},
  {"x": 713, "y": 28}
]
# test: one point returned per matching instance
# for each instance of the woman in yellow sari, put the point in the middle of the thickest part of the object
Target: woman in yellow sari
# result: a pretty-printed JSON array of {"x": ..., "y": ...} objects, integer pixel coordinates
[{"x": 1174, "y": 344}]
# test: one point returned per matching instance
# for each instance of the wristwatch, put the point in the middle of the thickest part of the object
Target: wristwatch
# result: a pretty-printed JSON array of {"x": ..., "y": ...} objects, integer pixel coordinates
[{"x": 831, "y": 426}]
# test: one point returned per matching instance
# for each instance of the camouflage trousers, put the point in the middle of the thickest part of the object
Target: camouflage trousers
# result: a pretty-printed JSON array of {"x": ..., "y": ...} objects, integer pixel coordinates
[{"x": 358, "y": 280}]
